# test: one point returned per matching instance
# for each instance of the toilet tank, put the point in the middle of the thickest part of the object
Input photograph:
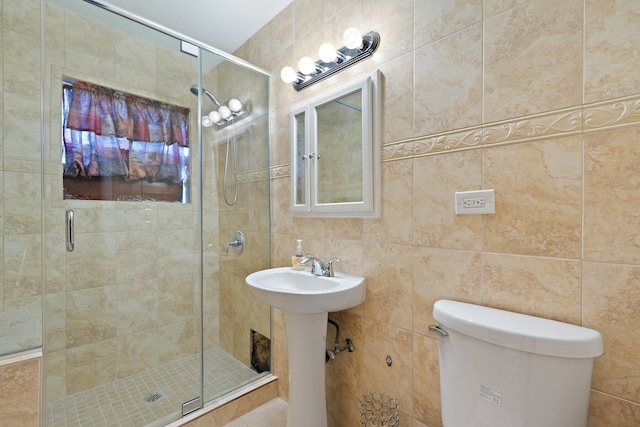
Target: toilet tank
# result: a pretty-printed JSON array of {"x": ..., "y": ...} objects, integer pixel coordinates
[{"x": 504, "y": 369}]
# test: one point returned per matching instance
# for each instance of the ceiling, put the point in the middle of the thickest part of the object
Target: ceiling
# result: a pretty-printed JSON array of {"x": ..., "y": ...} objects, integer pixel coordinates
[{"x": 223, "y": 24}]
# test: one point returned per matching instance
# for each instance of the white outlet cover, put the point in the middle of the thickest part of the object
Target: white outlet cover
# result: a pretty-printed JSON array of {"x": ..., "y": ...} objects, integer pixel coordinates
[{"x": 489, "y": 202}]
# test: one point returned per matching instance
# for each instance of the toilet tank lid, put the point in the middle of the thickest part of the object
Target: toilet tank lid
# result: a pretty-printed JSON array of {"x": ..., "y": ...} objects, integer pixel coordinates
[{"x": 518, "y": 331}]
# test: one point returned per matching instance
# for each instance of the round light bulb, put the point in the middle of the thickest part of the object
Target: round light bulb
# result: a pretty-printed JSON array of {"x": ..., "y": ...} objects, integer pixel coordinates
[
  {"x": 225, "y": 112},
  {"x": 306, "y": 65},
  {"x": 352, "y": 38},
  {"x": 327, "y": 52},
  {"x": 206, "y": 122},
  {"x": 234, "y": 105},
  {"x": 288, "y": 75},
  {"x": 214, "y": 116}
]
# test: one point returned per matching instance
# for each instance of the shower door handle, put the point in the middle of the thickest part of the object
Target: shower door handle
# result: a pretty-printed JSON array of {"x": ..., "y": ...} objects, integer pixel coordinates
[{"x": 70, "y": 232}]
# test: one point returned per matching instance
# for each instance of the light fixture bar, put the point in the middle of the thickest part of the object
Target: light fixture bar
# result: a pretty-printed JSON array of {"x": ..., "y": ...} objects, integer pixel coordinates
[{"x": 370, "y": 42}]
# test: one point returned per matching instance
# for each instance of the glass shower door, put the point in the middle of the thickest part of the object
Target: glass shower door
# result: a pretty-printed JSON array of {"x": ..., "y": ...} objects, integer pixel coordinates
[
  {"x": 123, "y": 266},
  {"x": 235, "y": 189}
]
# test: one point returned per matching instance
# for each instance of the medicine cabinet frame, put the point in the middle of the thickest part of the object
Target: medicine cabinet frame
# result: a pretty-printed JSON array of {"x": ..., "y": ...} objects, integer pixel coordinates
[{"x": 307, "y": 152}]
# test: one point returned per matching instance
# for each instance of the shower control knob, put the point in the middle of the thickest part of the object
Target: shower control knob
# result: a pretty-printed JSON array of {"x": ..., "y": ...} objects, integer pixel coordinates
[{"x": 237, "y": 243}]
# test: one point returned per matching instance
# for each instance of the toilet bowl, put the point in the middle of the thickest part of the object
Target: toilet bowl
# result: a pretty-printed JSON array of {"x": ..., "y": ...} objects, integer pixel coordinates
[{"x": 504, "y": 369}]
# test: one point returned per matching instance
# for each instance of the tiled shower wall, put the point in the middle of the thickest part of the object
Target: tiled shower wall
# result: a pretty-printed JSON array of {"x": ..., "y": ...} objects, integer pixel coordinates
[
  {"x": 539, "y": 100},
  {"x": 239, "y": 310},
  {"x": 20, "y": 219},
  {"x": 20, "y": 299}
]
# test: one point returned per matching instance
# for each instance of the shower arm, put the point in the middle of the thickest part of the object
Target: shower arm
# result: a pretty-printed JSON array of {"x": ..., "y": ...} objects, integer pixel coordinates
[
  {"x": 212, "y": 98},
  {"x": 196, "y": 90}
]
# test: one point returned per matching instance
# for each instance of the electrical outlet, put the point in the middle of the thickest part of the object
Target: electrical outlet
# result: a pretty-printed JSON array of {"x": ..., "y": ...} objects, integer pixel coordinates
[{"x": 475, "y": 202}]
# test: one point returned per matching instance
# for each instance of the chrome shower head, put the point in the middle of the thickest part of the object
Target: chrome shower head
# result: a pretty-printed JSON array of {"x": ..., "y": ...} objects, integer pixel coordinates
[{"x": 195, "y": 90}]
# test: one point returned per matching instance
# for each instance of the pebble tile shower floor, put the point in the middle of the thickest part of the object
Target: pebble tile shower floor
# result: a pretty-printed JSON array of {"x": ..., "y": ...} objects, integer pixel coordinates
[{"x": 150, "y": 398}]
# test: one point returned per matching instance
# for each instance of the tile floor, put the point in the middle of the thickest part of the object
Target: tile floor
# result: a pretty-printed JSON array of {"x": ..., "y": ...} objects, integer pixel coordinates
[
  {"x": 271, "y": 414},
  {"x": 130, "y": 402}
]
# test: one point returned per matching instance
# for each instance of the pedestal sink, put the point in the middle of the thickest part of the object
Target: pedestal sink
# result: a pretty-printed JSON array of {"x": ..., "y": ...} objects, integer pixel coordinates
[{"x": 306, "y": 300}]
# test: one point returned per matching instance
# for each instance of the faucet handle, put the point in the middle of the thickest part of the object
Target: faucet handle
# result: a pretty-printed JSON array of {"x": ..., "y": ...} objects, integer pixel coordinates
[{"x": 330, "y": 272}]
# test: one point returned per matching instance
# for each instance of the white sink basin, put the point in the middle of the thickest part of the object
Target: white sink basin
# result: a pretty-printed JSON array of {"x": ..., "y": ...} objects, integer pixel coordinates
[
  {"x": 306, "y": 300},
  {"x": 301, "y": 292}
]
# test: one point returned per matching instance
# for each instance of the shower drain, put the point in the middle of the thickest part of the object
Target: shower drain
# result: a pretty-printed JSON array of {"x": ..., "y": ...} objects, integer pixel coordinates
[{"x": 152, "y": 397}]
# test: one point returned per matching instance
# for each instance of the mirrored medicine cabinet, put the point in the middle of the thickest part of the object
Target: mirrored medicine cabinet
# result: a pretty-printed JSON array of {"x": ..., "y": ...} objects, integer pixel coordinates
[{"x": 335, "y": 156}]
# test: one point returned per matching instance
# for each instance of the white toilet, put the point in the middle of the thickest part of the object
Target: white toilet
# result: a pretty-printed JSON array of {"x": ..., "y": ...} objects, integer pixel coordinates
[{"x": 503, "y": 369}]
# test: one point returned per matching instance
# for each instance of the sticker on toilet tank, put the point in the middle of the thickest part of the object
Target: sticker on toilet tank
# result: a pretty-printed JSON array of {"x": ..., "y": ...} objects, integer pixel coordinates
[{"x": 492, "y": 396}]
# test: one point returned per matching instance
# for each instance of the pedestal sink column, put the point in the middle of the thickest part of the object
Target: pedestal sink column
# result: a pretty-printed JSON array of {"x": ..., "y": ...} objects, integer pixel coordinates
[
  {"x": 306, "y": 338},
  {"x": 307, "y": 300}
]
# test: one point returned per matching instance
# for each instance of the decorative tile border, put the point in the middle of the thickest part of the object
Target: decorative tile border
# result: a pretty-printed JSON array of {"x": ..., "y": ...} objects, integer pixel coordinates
[
  {"x": 281, "y": 171},
  {"x": 254, "y": 175},
  {"x": 548, "y": 125},
  {"x": 568, "y": 121},
  {"x": 611, "y": 114},
  {"x": 449, "y": 141},
  {"x": 398, "y": 150}
]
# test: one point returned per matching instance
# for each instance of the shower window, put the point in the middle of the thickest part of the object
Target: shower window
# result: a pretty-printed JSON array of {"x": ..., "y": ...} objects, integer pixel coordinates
[{"x": 119, "y": 146}]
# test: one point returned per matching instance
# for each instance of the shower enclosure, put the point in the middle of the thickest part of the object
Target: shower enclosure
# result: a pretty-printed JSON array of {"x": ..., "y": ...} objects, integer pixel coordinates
[{"x": 146, "y": 314}]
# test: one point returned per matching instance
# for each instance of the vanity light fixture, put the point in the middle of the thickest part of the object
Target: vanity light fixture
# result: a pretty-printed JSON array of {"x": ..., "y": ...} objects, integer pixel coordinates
[{"x": 356, "y": 48}]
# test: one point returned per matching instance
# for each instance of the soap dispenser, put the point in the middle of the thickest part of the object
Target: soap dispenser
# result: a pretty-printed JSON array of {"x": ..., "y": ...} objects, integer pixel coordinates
[{"x": 295, "y": 259}]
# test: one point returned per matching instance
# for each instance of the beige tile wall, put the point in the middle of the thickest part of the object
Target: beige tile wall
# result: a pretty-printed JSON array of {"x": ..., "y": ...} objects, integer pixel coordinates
[
  {"x": 525, "y": 97},
  {"x": 20, "y": 218},
  {"x": 239, "y": 310},
  {"x": 20, "y": 394}
]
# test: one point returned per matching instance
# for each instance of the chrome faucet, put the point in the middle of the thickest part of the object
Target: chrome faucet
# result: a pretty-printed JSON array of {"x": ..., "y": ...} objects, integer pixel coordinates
[{"x": 318, "y": 267}]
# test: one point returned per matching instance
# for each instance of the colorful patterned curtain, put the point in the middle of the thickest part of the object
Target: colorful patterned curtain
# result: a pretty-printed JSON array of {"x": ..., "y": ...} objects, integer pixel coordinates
[{"x": 112, "y": 133}]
